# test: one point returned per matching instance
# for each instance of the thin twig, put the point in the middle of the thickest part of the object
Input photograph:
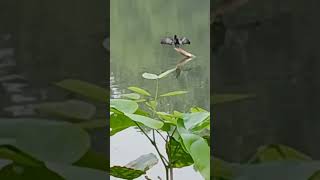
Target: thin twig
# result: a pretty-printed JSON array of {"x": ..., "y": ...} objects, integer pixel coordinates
[
  {"x": 155, "y": 145},
  {"x": 173, "y": 131},
  {"x": 161, "y": 135}
]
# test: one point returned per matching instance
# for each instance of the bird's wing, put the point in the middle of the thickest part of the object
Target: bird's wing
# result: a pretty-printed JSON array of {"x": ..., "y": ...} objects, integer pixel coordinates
[
  {"x": 167, "y": 40},
  {"x": 184, "y": 40}
]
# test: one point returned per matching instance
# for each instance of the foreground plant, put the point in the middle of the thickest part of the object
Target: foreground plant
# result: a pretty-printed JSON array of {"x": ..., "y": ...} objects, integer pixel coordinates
[{"x": 186, "y": 135}]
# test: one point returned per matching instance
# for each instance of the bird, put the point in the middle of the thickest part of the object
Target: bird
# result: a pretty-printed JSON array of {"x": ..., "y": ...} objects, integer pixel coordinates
[{"x": 175, "y": 41}]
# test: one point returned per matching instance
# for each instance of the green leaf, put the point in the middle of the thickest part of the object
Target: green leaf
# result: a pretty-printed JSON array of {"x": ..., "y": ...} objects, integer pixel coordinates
[
  {"x": 285, "y": 169},
  {"x": 150, "y": 76},
  {"x": 177, "y": 156},
  {"x": 133, "y": 96},
  {"x": 93, "y": 124},
  {"x": 198, "y": 148},
  {"x": 197, "y": 109},
  {"x": 86, "y": 89},
  {"x": 9, "y": 152},
  {"x": 152, "y": 104},
  {"x": 15, "y": 171},
  {"x": 202, "y": 129},
  {"x": 139, "y": 91},
  {"x": 224, "y": 98},
  {"x": 124, "y": 105},
  {"x": 140, "y": 100},
  {"x": 135, "y": 168},
  {"x": 125, "y": 173},
  {"x": 46, "y": 140},
  {"x": 151, "y": 123},
  {"x": 164, "y": 74},
  {"x": 221, "y": 169},
  {"x": 76, "y": 173},
  {"x": 168, "y": 118},
  {"x": 4, "y": 163},
  {"x": 276, "y": 152},
  {"x": 174, "y": 93},
  {"x": 71, "y": 110},
  {"x": 315, "y": 176},
  {"x": 192, "y": 120},
  {"x": 177, "y": 114},
  {"x": 119, "y": 122},
  {"x": 94, "y": 160}
]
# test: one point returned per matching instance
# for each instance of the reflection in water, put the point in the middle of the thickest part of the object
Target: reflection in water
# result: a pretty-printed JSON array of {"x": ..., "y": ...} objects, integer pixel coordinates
[{"x": 115, "y": 92}]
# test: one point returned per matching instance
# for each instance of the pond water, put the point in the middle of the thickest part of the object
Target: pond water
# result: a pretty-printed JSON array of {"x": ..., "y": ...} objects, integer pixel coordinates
[{"x": 136, "y": 29}]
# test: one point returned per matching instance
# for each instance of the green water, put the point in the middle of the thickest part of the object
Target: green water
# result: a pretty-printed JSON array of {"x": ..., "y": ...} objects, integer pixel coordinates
[{"x": 136, "y": 29}]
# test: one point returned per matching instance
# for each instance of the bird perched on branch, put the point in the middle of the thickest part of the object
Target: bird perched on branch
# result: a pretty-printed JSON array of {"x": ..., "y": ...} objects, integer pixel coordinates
[{"x": 177, "y": 42}]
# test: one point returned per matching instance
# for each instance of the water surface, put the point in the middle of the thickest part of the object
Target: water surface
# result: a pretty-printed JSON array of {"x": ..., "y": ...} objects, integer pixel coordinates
[{"x": 136, "y": 30}]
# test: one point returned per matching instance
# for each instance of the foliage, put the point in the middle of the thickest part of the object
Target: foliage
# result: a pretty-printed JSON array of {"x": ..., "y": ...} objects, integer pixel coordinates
[
  {"x": 57, "y": 147},
  {"x": 184, "y": 144},
  {"x": 273, "y": 161}
]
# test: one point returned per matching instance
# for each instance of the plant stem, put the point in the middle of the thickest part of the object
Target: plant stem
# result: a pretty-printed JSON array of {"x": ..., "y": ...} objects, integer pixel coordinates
[
  {"x": 161, "y": 135},
  {"x": 157, "y": 149},
  {"x": 171, "y": 173},
  {"x": 157, "y": 89}
]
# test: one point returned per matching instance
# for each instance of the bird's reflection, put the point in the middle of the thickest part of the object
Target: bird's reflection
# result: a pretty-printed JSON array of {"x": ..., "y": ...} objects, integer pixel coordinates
[{"x": 181, "y": 64}]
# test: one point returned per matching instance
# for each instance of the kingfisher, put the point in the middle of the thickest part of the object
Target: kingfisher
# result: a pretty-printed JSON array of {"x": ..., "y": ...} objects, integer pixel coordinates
[{"x": 175, "y": 41}]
